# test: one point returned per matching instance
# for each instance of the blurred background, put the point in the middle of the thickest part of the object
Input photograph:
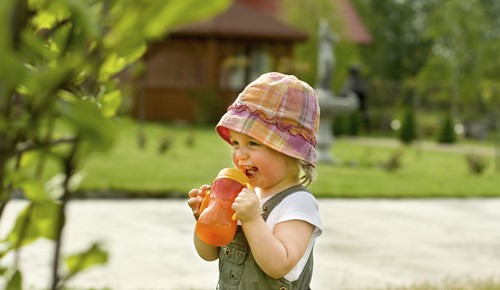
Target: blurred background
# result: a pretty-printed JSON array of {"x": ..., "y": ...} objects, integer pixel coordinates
[
  {"x": 424, "y": 73},
  {"x": 98, "y": 87},
  {"x": 118, "y": 100},
  {"x": 437, "y": 58}
]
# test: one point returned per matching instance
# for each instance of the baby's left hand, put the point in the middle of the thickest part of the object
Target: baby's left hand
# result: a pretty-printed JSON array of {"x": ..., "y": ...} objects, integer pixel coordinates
[
  {"x": 247, "y": 206},
  {"x": 196, "y": 196}
]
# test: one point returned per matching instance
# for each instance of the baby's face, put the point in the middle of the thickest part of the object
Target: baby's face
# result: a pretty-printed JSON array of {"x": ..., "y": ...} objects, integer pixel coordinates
[{"x": 266, "y": 168}]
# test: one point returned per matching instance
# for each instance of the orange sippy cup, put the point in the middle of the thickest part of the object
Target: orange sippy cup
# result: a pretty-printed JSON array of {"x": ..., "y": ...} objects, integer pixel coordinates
[{"x": 216, "y": 225}]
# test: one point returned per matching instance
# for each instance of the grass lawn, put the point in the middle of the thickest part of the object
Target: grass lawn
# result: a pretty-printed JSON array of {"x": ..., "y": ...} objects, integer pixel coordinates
[
  {"x": 148, "y": 172},
  {"x": 464, "y": 284}
]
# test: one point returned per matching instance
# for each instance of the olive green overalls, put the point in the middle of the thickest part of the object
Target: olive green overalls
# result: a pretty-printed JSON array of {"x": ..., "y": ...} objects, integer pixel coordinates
[{"x": 238, "y": 269}]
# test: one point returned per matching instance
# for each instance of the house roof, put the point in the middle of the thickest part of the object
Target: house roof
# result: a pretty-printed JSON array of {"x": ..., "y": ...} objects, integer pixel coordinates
[
  {"x": 267, "y": 7},
  {"x": 241, "y": 21},
  {"x": 355, "y": 30}
]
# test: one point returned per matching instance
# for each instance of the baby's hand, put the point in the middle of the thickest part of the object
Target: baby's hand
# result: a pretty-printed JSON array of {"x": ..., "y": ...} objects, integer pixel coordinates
[
  {"x": 247, "y": 206},
  {"x": 196, "y": 196}
]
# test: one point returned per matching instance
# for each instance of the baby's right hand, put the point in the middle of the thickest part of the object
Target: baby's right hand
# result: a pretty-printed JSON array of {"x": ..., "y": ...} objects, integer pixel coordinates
[{"x": 196, "y": 196}]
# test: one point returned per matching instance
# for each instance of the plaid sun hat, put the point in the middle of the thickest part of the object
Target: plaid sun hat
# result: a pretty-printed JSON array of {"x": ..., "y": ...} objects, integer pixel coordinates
[{"x": 278, "y": 110}]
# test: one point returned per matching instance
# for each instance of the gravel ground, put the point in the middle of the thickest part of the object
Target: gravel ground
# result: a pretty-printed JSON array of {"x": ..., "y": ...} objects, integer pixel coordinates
[{"x": 365, "y": 243}]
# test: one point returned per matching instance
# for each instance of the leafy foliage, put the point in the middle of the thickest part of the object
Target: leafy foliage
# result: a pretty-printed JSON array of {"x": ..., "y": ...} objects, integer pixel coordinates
[
  {"x": 399, "y": 49},
  {"x": 440, "y": 50},
  {"x": 59, "y": 62},
  {"x": 477, "y": 164},
  {"x": 78, "y": 262},
  {"x": 305, "y": 15}
]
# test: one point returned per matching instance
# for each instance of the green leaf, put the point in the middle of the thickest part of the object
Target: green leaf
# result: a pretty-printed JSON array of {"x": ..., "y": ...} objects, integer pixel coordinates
[
  {"x": 171, "y": 14},
  {"x": 11, "y": 69},
  {"x": 44, "y": 19},
  {"x": 60, "y": 38},
  {"x": 58, "y": 8},
  {"x": 137, "y": 22},
  {"x": 93, "y": 256},
  {"x": 29, "y": 158},
  {"x": 15, "y": 281},
  {"x": 110, "y": 102},
  {"x": 34, "y": 191},
  {"x": 55, "y": 186},
  {"x": 114, "y": 62},
  {"x": 84, "y": 18},
  {"x": 36, "y": 220},
  {"x": 46, "y": 219},
  {"x": 22, "y": 229},
  {"x": 43, "y": 83},
  {"x": 87, "y": 119}
]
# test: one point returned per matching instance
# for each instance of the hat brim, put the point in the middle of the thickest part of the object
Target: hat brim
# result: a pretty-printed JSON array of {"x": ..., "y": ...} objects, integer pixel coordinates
[{"x": 267, "y": 133}]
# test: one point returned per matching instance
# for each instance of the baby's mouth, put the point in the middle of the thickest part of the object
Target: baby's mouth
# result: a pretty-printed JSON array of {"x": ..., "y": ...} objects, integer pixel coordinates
[{"x": 250, "y": 171}]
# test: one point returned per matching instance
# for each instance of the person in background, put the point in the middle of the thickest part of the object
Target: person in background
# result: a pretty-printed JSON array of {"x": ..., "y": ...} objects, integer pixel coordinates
[{"x": 356, "y": 84}]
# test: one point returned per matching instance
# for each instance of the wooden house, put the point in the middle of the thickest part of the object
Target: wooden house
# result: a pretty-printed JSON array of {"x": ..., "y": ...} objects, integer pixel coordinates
[{"x": 198, "y": 70}]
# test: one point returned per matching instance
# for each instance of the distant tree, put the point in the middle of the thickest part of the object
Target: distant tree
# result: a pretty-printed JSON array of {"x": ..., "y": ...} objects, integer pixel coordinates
[
  {"x": 305, "y": 15},
  {"x": 445, "y": 47},
  {"x": 399, "y": 49},
  {"x": 463, "y": 40},
  {"x": 397, "y": 54}
]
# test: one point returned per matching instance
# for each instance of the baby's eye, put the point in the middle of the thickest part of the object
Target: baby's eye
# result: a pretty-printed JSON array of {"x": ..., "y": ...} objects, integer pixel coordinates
[
  {"x": 253, "y": 143},
  {"x": 234, "y": 143}
]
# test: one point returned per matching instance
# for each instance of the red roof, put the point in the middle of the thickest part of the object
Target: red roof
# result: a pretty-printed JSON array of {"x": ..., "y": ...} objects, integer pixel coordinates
[
  {"x": 241, "y": 21},
  {"x": 268, "y": 7},
  {"x": 355, "y": 30}
]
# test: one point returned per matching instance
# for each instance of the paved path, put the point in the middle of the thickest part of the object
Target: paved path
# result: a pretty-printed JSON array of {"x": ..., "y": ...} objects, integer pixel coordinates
[{"x": 366, "y": 243}]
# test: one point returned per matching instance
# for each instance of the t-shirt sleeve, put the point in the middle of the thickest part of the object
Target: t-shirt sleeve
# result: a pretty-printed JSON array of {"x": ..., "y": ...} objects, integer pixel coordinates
[{"x": 299, "y": 206}]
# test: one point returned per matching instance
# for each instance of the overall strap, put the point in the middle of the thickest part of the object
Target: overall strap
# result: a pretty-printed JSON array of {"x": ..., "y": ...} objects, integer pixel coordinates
[{"x": 270, "y": 204}]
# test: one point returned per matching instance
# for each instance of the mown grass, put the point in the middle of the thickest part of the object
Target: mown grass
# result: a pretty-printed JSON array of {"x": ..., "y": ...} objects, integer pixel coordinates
[
  {"x": 464, "y": 284},
  {"x": 149, "y": 173},
  {"x": 421, "y": 174}
]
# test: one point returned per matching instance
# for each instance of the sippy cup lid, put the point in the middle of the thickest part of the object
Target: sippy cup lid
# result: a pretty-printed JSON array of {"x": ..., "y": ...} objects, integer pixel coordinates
[{"x": 234, "y": 174}]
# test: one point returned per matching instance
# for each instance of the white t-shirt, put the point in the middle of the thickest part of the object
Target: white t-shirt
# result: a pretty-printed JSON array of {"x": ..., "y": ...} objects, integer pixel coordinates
[{"x": 300, "y": 205}]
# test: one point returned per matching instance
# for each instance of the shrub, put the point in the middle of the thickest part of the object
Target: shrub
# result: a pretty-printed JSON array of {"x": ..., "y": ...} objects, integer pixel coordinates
[
  {"x": 476, "y": 163},
  {"x": 408, "y": 131},
  {"x": 394, "y": 161},
  {"x": 339, "y": 126},
  {"x": 447, "y": 133},
  {"x": 354, "y": 123}
]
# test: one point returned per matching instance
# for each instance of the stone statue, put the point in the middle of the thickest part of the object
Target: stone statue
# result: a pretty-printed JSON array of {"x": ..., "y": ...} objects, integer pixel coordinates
[
  {"x": 329, "y": 104},
  {"x": 326, "y": 56}
]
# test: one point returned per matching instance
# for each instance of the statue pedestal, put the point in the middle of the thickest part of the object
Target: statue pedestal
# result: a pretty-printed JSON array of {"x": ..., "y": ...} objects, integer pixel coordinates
[{"x": 330, "y": 107}]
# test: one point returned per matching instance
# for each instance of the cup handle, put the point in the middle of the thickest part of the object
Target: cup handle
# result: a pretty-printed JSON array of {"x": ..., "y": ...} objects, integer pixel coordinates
[
  {"x": 249, "y": 186},
  {"x": 204, "y": 202}
]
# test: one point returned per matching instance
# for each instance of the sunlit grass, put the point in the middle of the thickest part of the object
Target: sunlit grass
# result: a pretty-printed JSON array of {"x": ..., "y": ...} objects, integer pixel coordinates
[
  {"x": 148, "y": 172},
  {"x": 465, "y": 284},
  {"x": 421, "y": 174}
]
